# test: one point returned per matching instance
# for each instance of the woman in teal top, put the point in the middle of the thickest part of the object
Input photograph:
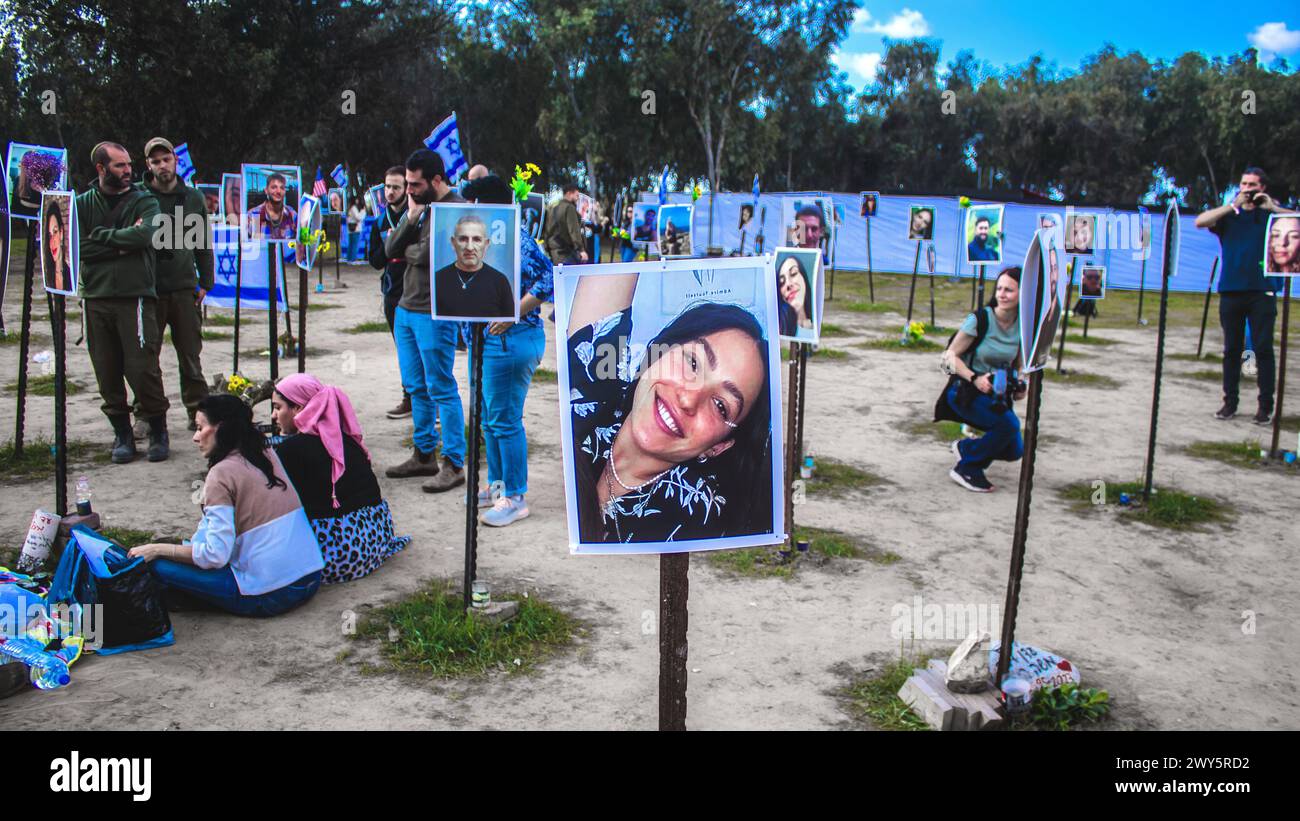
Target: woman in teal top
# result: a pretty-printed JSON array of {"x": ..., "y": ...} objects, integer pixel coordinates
[{"x": 971, "y": 395}]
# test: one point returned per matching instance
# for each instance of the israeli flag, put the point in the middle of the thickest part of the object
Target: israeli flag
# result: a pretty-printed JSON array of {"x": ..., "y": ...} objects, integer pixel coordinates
[
  {"x": 445, "y": 140},
  {"x": 184, "y": 168},
  {"x": 663, "y": 187},
  {"x": 339, "y": 176}
]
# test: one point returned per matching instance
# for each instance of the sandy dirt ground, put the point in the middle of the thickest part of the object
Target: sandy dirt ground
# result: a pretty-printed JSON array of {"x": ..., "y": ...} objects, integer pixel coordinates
[{"x": 1154, "y": 616}]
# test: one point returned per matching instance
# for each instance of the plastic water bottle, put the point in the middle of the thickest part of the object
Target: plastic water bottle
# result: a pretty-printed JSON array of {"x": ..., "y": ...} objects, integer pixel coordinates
[
  {"x": 48, "y": 671},
  {"x": 807, "y": 469},
  {"x": 83, "y": 496}
]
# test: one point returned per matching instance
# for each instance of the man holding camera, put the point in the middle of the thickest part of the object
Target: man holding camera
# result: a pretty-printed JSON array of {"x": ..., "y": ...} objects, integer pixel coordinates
[{"x": 1244, "y": 291}]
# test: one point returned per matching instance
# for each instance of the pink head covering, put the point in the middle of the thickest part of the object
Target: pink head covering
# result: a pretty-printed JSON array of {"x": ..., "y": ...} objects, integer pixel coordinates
[{"x": 326, "y": 412}]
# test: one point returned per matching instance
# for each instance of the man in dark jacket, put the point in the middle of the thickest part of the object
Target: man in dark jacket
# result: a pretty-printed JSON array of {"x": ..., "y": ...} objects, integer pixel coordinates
[
  {"x": 116, "y": 226},
  {"x": 563, "y": 231},
  {"x": 394, "y": 269},
  {"x": 184, "y": 272}
]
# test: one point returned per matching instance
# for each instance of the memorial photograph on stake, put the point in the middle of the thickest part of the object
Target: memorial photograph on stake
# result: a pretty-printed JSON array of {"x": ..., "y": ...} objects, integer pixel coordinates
[
  {"x": 984, "y": 234},
  {"x": 799, "y": 293},
  {"x": 670, "y": 405},
  {"x": 675, "y": 231},
  {"x": 1042, "y": 299},
  {"x": 1080, "y": 233},
  {"x": 1282, "y": 256},
  {"x": 870, "y": 200},
  {"x": 807, "y": 220},
  {"x": 533, "y": 215},
  {"x": 307, "y": 241},
  {"x": 1092, "y": 282},
  {"x": 474, "y": 260},
  {"x": 270, "y": 201},
  {"x": 232, "y": 199},
  {"x": 645, "y": 224},
  {"x": 920, "y": 223},
  {"x": 59, "y": 242},
  {"x": 31, "y": 171}
]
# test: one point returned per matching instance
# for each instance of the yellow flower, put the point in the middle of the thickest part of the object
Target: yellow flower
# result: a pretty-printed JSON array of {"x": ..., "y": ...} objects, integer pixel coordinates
[{"x": 534, "y": 169}]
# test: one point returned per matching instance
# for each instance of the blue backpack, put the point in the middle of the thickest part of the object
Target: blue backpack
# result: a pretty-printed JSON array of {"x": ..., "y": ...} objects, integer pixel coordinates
[{"x": 96, "y": 570}]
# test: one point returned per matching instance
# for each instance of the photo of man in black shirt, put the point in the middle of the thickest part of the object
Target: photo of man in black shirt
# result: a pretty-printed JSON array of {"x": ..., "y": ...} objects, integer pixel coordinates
[{"x": 469, "y": 287}]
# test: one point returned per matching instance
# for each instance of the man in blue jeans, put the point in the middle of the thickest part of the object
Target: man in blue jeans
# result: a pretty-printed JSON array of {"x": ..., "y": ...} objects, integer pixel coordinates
[
  {"x": 426, "y": 348},
  {"x": 1244, "y": 292}
]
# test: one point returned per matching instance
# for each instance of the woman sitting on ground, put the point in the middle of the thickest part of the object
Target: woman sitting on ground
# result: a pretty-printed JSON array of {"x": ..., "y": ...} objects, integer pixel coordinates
[
  {"x": 254, "y": 553},
  {"x": 326, "y": 460},
  {"x": 970, "y": 398}
]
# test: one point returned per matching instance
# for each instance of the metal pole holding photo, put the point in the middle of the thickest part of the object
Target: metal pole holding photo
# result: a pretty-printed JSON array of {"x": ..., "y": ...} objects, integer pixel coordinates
[
  {"x": 871, "y": 279},
  {"x": 338, "y": 249},
  {"x": 911, "y": 294},
  {"x": 1018, "y": 539},
  {"x": 475, "y": 342},
  {"x": 791, "y": 433},
  {"x": 1065, "y": 315},
  {"x": 1205, "y": 312},
  {"x": 60, "y": 316},
  {"x": 929, "y": 265},
  {"x": 302, "y": 319},
  {"x": 25, "y": 337},
  {"x": 1281, "y": 369},
  {"x": 804, "y": 351},
  {"x": 273, "y": 306},
  {"x": 1142, "y": 285},
  {"x": 758, "y": 240},
  {"x": 1167, "y": 264},
  {"x": 239, "y": 279},
  {"x": 674, "y": 590}
]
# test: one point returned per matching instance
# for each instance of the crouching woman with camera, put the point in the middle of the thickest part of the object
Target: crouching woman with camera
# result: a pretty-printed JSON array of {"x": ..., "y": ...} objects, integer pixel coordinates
[{"x": 982, "y": 360}]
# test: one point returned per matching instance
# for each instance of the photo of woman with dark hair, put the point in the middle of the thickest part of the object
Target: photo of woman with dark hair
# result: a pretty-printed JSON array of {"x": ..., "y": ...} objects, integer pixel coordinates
[
  {"x": 33, "y": 170},
  {"x": 676, "y": 445},
  {"x": 1283, "y": 252},
  {"x": 796, "y": 289},
  {"x": 56, "y": 249}
]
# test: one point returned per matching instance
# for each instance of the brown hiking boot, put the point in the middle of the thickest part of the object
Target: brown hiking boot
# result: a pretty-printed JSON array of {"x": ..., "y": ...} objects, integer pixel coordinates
[
  {"x": 403, "y": 409},
  {"x": 419, "y": 464},
  {"x": 449, "y": 477}
]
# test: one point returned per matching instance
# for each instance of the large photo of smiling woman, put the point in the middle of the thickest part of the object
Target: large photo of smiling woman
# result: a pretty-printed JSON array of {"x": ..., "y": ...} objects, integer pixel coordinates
[{"x": 669, "y": 393}]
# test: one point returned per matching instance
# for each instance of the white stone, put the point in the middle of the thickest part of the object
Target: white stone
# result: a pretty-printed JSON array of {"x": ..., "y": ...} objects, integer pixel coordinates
[{"x": 968, "y": 666}]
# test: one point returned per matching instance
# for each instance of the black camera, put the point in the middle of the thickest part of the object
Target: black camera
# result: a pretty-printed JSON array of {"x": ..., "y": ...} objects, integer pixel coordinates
[{"x": 1006, "y": 384}]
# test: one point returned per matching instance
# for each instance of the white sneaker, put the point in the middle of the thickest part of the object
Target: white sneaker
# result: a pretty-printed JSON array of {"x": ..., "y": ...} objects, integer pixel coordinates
[{"x": 507, "y": 510}]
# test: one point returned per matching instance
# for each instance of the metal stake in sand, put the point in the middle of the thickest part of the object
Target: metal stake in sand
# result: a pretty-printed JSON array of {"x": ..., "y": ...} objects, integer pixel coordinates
[
  {"x": 60, "y": 316},
  {"x": 239, "y": 287},
  {"x": 871, "y": 279},
  {"x": 302, "y": 319},
  {"x": 792, "y": 431},
  {"x": 1167, "y": 270},
  {"x": 1205, "y": 312},
  {"x": 1065, "y": 315},
  {"x": 1281, "y": 369},
  {"x": 1023, "y": 500},
  {"x": 273, "y": 306},
  {"x": 25, "y": 337},
  {"x": 477, "y": 329},
  {"x": 674, "y": 589},
  {"x": 911, "y": 294},
  {"x": 758, "y": 240},
  {"x": 929, "y": 265}
]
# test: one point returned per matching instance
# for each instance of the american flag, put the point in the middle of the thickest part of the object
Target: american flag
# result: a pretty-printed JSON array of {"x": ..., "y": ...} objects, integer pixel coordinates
[{"x": 318, "y": 189}]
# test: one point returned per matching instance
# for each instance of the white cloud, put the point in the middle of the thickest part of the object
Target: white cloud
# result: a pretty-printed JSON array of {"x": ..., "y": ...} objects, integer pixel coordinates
[
  {"x": 902, "y": 26},
  {"x": 861, "y": 66},
  {"x": 1274, "y": 38}
]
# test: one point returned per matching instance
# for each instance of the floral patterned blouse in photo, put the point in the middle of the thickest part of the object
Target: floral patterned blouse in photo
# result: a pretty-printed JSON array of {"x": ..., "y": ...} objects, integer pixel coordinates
[{"x": 683, "y": 503}]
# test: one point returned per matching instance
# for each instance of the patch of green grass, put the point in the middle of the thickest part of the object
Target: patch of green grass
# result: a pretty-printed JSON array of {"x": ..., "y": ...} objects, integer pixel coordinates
[
  {"x": 323, "y": 306},
  {"x": 1080, "y": 339},
  {"x": 128, "y": 537},
  {"x": 376, "y": 327},
  {"x": 938, "y": 330},
  {"x": 213, "y": 336},
  {"x": 43, "y": 385},
  {"x": 1240, "y": 454},
  {"x": 1064, "y": 708},
  {"x": 831, "y": 329},
  {"x": 37, "y": 461},
  {"x": 1073, "y": 377},
  {"x": 754, "y": 562},
  {"x": 944, "y": 431},
  {"x": 869, "y": 307},
  {"x": 894, "y": 343},
  {"x": 822, "y": 352},
  {"x": 1191, "y": 357},
  {"x": 430, "y": 633},
  {"x": 1169, "y": 508},
  {"x": 13, "y": 336},
  {"x": 226, "y": 320},
  {"x": 545, "y": 375},
  {"x": 837, "y": 479},
  {"x": 876, "y": 698},
  {"x": 839, "y": 545},
  {"x": 1212, "y": 376}
]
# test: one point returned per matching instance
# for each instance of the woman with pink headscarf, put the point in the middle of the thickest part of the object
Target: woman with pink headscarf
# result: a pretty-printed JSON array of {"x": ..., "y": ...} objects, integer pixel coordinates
[{"x": 327, "y": 461}]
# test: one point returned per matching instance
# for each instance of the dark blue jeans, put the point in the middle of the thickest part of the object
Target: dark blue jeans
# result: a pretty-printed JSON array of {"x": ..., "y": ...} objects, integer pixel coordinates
[
  {"x": 1235, "y": 308},
  {"x": 1001, "y": 439},
  {"x": 219, "y": 589}
]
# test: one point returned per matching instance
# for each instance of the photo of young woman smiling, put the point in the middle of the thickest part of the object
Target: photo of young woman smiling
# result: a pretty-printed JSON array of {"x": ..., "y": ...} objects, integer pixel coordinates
[{"x": 678, "y": 445}]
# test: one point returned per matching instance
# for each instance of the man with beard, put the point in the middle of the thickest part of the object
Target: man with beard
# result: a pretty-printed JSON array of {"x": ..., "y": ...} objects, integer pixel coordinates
[
  {"x": 183, "y": 275},
  {"x": 394, "y": 268},
  {"x": 978, "y": 249},
  {"x": 116, "y": 226},
  {"x": 426, "y": 348},
  {"x": 275, "y": 218},
  {"x": 813, "y": 219},
  {"x": 469, "y": 287}
]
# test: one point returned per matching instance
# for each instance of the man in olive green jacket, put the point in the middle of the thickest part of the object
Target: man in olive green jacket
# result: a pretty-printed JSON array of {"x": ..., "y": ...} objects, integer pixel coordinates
[
  {"x": 563, "y": 232},
  {"x": 183, "y": 270},
  {"x": 116, "y": 226}
]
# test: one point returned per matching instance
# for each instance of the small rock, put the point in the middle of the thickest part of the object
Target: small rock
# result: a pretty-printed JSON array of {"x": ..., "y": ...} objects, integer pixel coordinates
[{"x": 968, "y": 666}]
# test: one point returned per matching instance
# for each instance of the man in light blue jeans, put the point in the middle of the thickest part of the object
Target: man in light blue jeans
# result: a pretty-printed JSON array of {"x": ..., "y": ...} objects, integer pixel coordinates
[{"x": 426, "y": 348}]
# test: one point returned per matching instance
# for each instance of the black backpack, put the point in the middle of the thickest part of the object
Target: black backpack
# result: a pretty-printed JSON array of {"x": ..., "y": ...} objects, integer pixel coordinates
[{"x": 942, "y": 410}]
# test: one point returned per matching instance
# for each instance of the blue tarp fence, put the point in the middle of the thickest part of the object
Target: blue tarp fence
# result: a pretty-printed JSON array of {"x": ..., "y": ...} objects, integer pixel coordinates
[{"x": 891, "y": 251}]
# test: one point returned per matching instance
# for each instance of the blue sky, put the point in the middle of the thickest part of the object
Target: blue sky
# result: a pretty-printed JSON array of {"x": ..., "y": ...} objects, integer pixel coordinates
[{"x": 1008, "y": 32}]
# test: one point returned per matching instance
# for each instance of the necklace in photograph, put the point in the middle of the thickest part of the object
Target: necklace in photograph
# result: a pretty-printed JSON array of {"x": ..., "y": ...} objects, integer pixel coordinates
[
  {"x": 464, "y": 283},
  {"x": 612, "y": 504}
]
